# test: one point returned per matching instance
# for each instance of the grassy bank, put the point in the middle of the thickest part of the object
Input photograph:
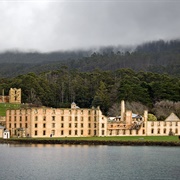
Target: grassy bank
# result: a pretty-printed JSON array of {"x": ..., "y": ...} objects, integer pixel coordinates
[
  {"x": 115, "y": 138},
  {"x": 118, "y": 141}
]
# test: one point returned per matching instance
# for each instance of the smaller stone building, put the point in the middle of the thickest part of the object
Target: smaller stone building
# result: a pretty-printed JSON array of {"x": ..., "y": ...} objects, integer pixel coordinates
[{"x": 14, "y": 96}]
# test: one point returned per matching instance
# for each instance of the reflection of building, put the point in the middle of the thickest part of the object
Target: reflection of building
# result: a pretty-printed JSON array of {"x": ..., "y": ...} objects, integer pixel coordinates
[
  {"x": 14, "y": 96},
  {"x": 80, "y": 122},
  {"x": 60, "y": 122}
]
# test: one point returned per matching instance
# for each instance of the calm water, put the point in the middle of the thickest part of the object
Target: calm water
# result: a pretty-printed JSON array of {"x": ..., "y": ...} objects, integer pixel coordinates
[{"x": 88, "y": 162}]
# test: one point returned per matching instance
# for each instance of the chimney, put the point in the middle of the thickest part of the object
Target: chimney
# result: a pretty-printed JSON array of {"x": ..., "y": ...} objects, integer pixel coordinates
[{"x": 122, "y": 110}]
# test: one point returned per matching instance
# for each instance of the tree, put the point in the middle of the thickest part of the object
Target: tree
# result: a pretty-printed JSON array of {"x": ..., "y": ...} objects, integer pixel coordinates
[
  {"x": 151, "y": 117},
  {"x": 101, "y": 98}
]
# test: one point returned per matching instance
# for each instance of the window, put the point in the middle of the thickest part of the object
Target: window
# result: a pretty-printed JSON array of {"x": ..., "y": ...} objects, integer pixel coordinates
[
  {"x": 44, "y": 133},
  {"x": 70, "y": 118},
  {"x": 44, "y": 125},
  {"x": 69, "y": 125},
  {"x": 94, "y": 125},
  {"x": 81, "y": 132},
  {"x": 9, "y": 118},
  {"x": 164, "y": 131},
  {"x": 9, "y": 125},
  {"x": 82, "y": 118},
  {"x": 75, "y": 125},
  {"x": 26, "y": 125},
  {"x": 94, "y": 118},
  {"x": 62, "y": 118},
  {"x": 53, "y": 125},
  {"x": 82, "y": 125},
  {"x": 89, "y": 118},
  {"x": 152, "y": 131},
  {"x": 81, "y": 111},
  {"x": 53, "y": 118},
  {"x": 143, "y": 131},
  {"x": 137, "y": 132},
  {"x": 89, "y": 132},
  {"x": 89, "y": 125},
  {"x": 44, "y": 118},
  {"x": 102, "y": 132},
  {"x": 89, "y": 112},
  {"x": 69, "y": 111},
  {"x": 14, "y": 125},
  {"x": 20, "y": 125},
  {"x": 124, "y": 131},
  {"x": 62, "y": 125},
  {"x": 36, "y": 125},
  {"x": 20, "y": 118},
  {"x": 75, "y": 132},
  {"x": 76, "y": 118},
  {"x": 69, "y": 132},
  {"x": 176, "y": 123},
  {"x": 176, "y": 131},
  {"x": 130, "y": 132},
  {"x": 103, "y": 125},
  {"x": 36, "y": 118},
  {"x": 94, "y": 132},
  {"x": 35, "y": 133},
  {"x": 26, "y": 118},
  {"x": 62, "y": 132},
  {"x": 158, "y": 131},
  {"x": 14, "y": 118}
]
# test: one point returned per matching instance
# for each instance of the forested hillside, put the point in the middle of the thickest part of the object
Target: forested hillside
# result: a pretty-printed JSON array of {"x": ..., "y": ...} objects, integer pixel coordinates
[
  {"x": 157, "y": 56},
  {"x": 160, "y": 93}
]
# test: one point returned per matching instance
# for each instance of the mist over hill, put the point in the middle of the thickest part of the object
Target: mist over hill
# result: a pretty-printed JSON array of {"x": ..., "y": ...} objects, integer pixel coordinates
[{"x": 157, "y": 56}]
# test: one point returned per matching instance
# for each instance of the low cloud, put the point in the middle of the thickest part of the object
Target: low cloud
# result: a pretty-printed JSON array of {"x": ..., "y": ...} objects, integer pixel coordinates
[{"x": 67, "y": 25}]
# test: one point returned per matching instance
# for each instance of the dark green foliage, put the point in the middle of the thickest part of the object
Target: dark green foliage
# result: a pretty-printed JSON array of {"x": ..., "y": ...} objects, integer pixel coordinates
[{"x": 97, "y": 88}]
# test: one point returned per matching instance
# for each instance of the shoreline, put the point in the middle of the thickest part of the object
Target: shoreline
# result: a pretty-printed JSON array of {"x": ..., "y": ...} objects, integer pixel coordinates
[{"x": 89, "y": 142}]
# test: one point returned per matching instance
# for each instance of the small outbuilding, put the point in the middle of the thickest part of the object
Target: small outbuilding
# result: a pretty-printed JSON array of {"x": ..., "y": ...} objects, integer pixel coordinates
[{"x": 6, "y": 134}]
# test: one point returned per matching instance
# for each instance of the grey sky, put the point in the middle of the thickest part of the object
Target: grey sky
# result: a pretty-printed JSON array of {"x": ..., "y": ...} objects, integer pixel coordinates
[{"x": 65, "y": 25}]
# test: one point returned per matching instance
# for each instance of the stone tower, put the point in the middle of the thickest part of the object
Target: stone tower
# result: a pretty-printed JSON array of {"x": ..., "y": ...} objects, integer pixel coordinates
[{"x": 15, "y": 96}]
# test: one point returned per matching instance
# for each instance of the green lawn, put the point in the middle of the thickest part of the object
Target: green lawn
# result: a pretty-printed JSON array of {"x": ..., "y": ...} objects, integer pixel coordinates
[
  {"x": 4, "y": 106},
  {"x": 127, "y": 138}
]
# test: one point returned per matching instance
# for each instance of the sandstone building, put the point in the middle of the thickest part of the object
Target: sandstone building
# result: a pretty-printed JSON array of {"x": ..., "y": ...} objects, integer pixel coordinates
[
  {"x": 59, "y": 122},
  {"x": 14, "y": 96},
  {"x": 81, "y": 122}
]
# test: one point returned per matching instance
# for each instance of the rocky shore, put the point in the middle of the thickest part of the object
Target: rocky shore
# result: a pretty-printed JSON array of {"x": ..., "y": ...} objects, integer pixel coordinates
[{"x": 88, "y": 142}]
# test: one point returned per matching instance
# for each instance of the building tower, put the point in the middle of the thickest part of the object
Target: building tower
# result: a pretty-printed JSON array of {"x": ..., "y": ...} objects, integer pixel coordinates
[{"x": 15, "y": 96}]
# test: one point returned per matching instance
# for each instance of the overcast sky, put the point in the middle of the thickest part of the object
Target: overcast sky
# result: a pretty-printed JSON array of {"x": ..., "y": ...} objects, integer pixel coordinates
[{"x": 45, "y": 26}]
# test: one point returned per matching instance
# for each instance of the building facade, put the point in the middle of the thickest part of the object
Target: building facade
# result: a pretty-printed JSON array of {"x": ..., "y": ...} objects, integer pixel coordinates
[
  {"x": 80, "y": 122},
  {"x": 59, "y": 122}
]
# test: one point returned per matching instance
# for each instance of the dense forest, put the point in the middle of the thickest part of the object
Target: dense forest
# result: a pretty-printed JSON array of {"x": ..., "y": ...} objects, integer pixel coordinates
[
  {"x": 158, "y": 57},
  {"x": 159, "y": 93}
]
